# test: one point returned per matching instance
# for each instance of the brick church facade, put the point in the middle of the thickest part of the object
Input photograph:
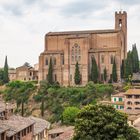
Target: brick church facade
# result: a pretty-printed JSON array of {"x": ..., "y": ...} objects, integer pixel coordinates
[{"x": 66, "y": 48}]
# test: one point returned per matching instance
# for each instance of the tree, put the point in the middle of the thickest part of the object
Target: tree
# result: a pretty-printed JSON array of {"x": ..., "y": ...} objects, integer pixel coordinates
[
  {"x": 19, "y": 92},
  {"x": 27, "y": 64},
  {"x": 50, "y": 73},
  {"x": 77, "y": 77},
  {"x": 1, "y": 76},
  {"x": 69, "y": 115},
  {"x": 105, "y": 74},
  {"x": 94, "y": 71},
  {"x": 114, "y": 72},
  {"x": 128, "y": 70},
  {"x": 42, "y": 95},
  {"x": 5, "y": 73},
  {"x": 42, "y": 108},
  {"x": 100, "y": 122},
  {"x": 135, "y": 59},
  {"x": 122, "y": 69}
]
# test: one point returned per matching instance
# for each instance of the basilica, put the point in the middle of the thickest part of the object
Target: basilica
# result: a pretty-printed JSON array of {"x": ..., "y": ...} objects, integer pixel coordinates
[{"x": 67, "y": 48}]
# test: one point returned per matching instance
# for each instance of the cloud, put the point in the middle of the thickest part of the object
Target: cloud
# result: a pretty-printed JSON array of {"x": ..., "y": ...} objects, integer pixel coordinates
[
  {"x": 81, "y": 8},
  {"x": 23, "y": 23}
]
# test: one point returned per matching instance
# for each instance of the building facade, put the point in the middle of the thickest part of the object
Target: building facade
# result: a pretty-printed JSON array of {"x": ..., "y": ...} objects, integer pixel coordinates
[
  {"x": 132, "y": 100},
  {"x": 67, "y": 48},
  {"x": 26, "y": 73},
  {"x": 117, "y": 100}
]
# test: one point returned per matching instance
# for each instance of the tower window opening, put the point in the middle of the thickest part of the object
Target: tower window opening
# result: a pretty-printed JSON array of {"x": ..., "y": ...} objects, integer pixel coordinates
[{"x": 120, "y": 22}]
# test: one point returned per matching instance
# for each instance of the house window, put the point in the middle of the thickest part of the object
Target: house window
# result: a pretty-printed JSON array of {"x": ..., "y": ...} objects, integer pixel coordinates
[
  {"x": 129, "y": 103},
  {"x": 129, "y": 108},
  {"x": 121, "y": 107},
  {"x": 114, "y": 99},
  {"x": 137, "y": 103},
  {"x": 137, "y": 108},
  {"x": 137, "y": 96},
  {"x": 129, "y": 96},
  {"x": 120, "y": 99}
]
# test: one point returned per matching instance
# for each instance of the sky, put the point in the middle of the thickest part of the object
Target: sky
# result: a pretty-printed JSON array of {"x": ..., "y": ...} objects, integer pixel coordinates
[{"x": 24, "y": 23}]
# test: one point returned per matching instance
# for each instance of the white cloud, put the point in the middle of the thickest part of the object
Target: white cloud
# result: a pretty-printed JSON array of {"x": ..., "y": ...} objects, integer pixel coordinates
[{"x": 23, "y": 23}]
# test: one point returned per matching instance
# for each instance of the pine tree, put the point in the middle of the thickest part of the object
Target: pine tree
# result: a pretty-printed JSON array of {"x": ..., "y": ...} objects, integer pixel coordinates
[
  {"x": 105, "y": 74},
  {"x": 77, "y": 77},
  {"x": 5, "y": 73},
  {"x": 114, "y": 72},
  {"x": 50, "y": 73},
  {"x": 135, "y": 59},
  {"x": 94, "y": 71},
  {"x": 128, "y": 70}
]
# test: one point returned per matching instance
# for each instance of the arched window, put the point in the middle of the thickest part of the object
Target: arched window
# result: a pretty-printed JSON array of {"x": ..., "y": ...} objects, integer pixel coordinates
[
  {"x": 62, "y": 59},
  {"x": 111, "y": 59},
  {"x": 76, "y": 53},
  {"x": 54, "y": 61},
  {"x": 102, "y": 58},
  {"x": 46, "y": 61}
]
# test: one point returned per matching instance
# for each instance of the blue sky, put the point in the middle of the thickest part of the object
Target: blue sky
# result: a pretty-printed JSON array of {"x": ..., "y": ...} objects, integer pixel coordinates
[{"x": 23, "y": 23}]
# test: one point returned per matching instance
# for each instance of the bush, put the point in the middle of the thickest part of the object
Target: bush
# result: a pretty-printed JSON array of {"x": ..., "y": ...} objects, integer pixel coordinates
[
  {"x": 100, "y": 122},
  {"x": 69, "y": 115}
]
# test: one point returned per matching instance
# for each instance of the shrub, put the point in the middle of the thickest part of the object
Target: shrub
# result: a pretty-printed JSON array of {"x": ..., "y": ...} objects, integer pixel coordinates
[{"x": 69, "y": 115}]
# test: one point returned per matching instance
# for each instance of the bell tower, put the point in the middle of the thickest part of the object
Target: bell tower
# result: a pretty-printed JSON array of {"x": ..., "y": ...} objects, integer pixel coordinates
[{"x": 121, "y": 24}]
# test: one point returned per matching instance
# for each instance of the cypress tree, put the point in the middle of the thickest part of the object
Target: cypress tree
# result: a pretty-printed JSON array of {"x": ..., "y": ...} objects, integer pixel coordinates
[
  {"x": 42, "y": 108},
  {"x": 105, "y": 74},
  {"x": 94, "y": 71},
  {"x": 128, "y": 70},
  {"x": 122, "y": 69},
  {"x": 114, "y": 72},
  {"x": 5, "y": 72},
  {"x": 77, "y": 77},
  {"x": 135, "y": 59},
  {"x": 50, "y": 73}
]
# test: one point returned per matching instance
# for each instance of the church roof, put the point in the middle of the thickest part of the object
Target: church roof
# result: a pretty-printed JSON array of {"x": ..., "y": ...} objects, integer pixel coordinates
[{"x": 83, "y": 32}]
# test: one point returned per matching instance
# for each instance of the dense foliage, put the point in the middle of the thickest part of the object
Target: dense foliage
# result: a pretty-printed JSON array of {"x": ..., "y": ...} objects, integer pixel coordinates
[
  {"x": 57, "y": 98},
  {"x": 77, "y": 76},
  {"x": 94, "y": 71},
  {"x": 69, "y": 115},
  {"x": 100, "y": 122},
  {"x": 19, "y": 92},
  {"x": 131, "y": 64}
]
